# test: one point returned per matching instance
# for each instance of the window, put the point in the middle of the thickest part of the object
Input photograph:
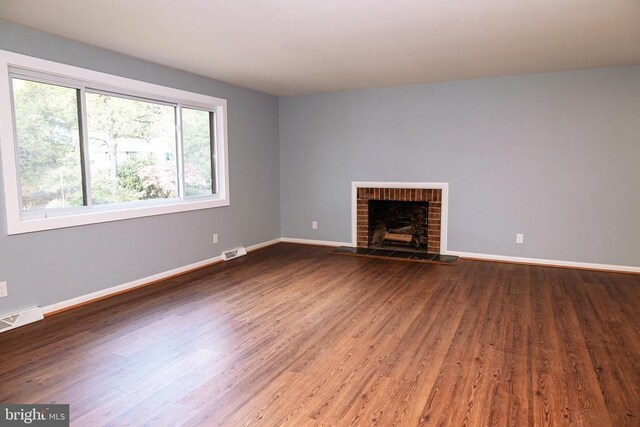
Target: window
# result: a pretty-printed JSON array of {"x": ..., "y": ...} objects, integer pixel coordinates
[
  {"x": 81, "y": 147},
  {"x": 199, "y": 160},
  {"x": 48, "y": 144},
  {"x": 128, "y": 144}
]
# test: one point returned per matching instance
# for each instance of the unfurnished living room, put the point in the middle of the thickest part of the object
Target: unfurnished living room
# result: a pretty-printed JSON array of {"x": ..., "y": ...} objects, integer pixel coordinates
[{"x": 319, "y": 213}]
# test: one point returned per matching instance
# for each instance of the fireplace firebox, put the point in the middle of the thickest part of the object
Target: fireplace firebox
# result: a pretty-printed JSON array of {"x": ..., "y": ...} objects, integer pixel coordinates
[{"x": 398, "y": 224}]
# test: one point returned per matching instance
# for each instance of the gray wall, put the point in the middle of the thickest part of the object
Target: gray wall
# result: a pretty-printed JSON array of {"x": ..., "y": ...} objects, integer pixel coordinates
[
  {"x": 554, "y": 156},
  {"x": 47, "y": 267}
]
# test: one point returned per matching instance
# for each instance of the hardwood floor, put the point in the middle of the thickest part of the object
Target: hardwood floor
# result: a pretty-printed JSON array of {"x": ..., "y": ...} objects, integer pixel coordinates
[{"x": 292, "y": 335}]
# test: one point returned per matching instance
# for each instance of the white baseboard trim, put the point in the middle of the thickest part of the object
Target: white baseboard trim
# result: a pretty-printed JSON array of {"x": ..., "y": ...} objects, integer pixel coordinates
[
  {"x": 313, "y": 242},
  {"x": 63, "y": 305},
  {"x": 547, "y": 262},
  {"x": 263, "y": 244}
]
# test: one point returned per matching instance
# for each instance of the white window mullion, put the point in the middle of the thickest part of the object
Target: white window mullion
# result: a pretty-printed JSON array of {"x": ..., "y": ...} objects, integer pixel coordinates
[
  {"x": 180, "y": 151},
  {"x": 213, "y": 132},
  {"x": 85, "y": 146}
]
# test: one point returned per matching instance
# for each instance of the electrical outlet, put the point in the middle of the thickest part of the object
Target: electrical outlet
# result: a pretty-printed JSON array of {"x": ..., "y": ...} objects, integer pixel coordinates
[
  {"x": 3, "y": 289},
  {"x": 519, "y": 238},
  {"x": 215, "y": 238},
  {"x": 314, "y": 225}
]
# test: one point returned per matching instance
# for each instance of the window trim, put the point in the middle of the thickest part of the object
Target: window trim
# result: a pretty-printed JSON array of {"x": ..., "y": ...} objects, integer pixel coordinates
[{"x": 18, "y": 223}]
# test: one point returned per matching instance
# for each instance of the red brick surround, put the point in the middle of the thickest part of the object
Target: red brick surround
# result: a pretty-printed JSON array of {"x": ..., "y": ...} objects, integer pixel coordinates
[{"x": 433, "y": 196}]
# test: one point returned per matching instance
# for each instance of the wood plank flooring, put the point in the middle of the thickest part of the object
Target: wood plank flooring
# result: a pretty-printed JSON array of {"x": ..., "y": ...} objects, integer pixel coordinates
[{"x": 292, "y": 335}]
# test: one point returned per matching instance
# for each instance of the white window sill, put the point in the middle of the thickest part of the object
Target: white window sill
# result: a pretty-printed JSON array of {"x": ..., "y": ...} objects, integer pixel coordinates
[{"x": 85, "y": 216}]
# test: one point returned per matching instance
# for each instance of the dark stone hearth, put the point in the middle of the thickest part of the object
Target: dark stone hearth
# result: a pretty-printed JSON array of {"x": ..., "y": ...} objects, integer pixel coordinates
[
  {"x": 352, "y": 251},
  {"x": 423, "y": 257},
  {"x": 445, "y": 258},
  {"x": 402, "y": 254},
  {"x": 396, "y": 254},
  {"x": 382, "y": 252}
]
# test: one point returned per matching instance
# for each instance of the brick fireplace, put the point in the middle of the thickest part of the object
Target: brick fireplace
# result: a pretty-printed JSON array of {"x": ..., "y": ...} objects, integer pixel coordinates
[{"x": 425, "y": 204}]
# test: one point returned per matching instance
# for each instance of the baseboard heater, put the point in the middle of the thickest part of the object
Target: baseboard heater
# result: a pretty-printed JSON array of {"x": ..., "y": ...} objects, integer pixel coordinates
[
  {"x": 20, "y": 318},
  {"x": 234, "y": 253}
]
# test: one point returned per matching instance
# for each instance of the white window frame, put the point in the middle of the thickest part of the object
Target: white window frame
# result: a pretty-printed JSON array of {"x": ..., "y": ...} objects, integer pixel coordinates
[{"x": 25, "y": 222}]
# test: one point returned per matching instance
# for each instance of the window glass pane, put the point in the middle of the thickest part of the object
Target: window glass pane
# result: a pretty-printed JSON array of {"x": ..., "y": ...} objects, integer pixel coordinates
[
  {"x": 196, "y": 141},
  {"x": 132, "y": 149},
  {"x": 48, "y": 145}
]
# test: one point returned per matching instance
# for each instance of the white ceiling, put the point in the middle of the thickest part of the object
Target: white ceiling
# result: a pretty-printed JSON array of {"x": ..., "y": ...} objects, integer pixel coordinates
[{"x": 286, "y": 47}]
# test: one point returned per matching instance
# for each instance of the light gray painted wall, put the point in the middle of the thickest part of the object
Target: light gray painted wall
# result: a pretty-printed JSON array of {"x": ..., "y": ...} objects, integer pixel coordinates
[
  {"x": 554, "y": 156},
  {"x": 47, "y": 267}
]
